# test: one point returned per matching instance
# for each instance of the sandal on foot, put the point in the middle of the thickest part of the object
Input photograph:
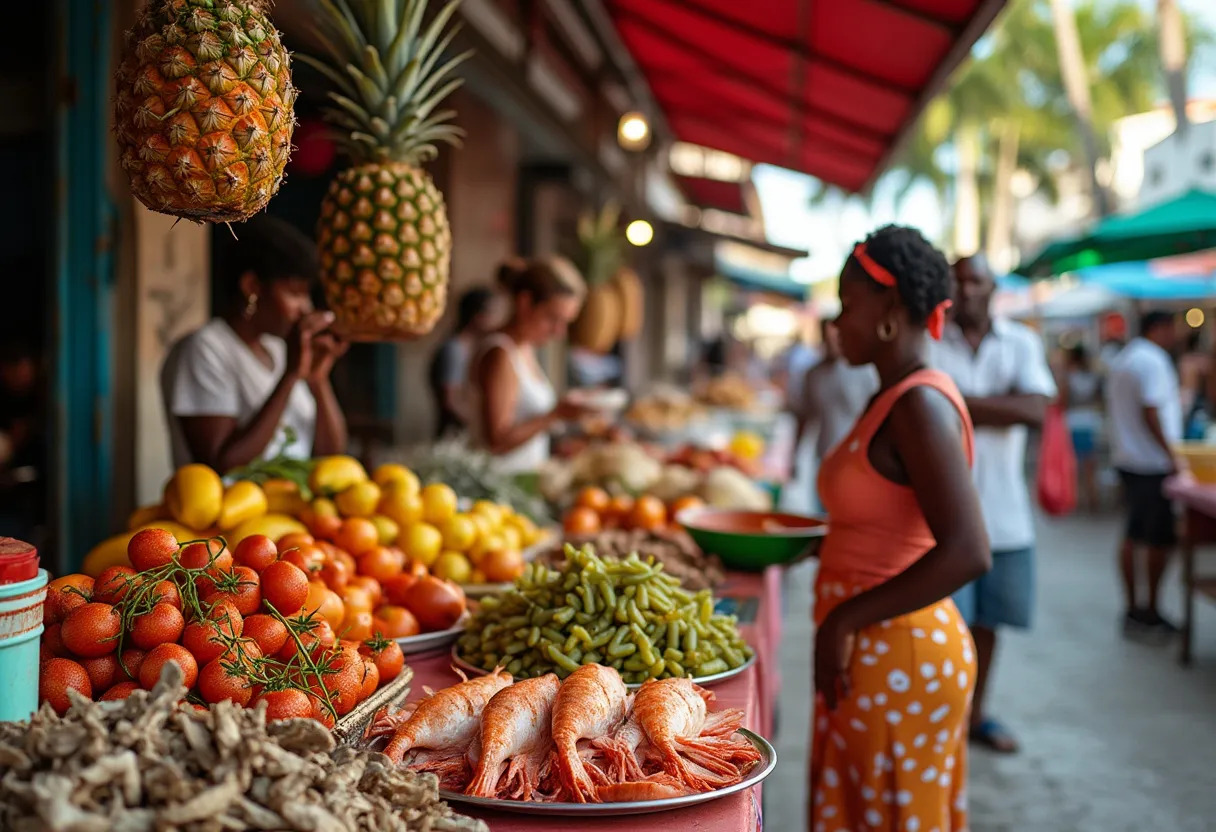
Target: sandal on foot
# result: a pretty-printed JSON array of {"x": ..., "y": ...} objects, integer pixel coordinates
[{"x": 994, "y": 736}]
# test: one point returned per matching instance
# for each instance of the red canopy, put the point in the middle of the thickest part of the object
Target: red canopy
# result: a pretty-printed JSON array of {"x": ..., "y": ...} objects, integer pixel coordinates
[
  {"x": 710, "y": 193},
  {"x": 826, "y": 88}
]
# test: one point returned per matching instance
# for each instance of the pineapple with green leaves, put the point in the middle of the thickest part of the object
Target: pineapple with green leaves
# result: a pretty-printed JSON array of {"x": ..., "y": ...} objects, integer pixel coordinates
[
  {"x": 384, "y": 237},
  {"x": 613, "y": 309}
]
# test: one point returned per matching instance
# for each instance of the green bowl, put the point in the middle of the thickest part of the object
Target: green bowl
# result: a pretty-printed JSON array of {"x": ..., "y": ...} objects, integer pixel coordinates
[{"x": 752, "y": 540}]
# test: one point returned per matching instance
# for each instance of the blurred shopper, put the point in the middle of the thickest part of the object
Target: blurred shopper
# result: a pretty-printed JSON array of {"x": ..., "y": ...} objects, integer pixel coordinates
[
  {"x": 1145, "y": 423},
  {"x": 1001, "y": 369},
  {"x": 514, "y": 403},
  {"x": 894, "y": 663},
  {"x": 1081, "y": 396},
  {"x": 834, "y": 394},
  {"x": 254, "y": 382},
  {"x": 477, "y": 314}
]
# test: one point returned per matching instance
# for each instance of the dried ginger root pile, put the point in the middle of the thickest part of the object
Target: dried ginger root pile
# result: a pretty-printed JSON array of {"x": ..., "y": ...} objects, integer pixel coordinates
[{"x": 146, "y": 764}]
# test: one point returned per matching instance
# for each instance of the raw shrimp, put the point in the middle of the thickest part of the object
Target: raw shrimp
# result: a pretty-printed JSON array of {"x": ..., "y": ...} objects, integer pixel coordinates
[
  {"x": 515, "y": 738},
  {"x": 624, "y": 750},
  {"x": 590, "y": 703},
  {"x": 672, "y": 714},
  {"x": 444, "y": 723},
  {"x": 653, "y": 788}
]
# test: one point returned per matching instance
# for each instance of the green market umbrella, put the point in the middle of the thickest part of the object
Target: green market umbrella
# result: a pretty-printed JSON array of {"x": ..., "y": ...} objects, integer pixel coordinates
[{"x": 1186, "y": 223}]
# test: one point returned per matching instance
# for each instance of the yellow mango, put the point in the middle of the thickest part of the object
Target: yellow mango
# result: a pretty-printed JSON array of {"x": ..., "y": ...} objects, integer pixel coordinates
[
  {"x": 146, "y": 514},
  {"x": 392, "y": 473},
  {"x": 243, "y": 500},
  {"x": 273, "y": 526},
  {"x": 283, "y": 497},
  {"x": 334, "y": 474},
  {"x": 194, "y": 496},
  {"x": 360, "y": 500}
]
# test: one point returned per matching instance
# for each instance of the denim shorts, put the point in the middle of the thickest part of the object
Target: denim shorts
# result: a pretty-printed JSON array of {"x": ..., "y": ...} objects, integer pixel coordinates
[{"x": 1005, "y": 596}]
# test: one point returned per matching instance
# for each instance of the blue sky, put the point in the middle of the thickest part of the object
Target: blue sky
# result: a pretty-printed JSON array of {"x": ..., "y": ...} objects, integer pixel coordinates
[{"x": 829, "y": 231}]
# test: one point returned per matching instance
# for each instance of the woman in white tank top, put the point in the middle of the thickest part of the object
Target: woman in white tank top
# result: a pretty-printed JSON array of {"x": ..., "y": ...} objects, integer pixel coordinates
[{"x": 514, "y": 404}]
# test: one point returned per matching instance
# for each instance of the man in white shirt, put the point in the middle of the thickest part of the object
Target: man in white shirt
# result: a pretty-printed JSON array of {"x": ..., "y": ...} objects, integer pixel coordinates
[
  {"x": 1001, "y": 369},
  {"x": 1145, "y": 411}
]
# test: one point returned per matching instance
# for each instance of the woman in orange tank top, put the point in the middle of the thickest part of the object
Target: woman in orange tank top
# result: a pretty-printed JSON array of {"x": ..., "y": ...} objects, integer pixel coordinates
[{"x": 894, "y": 662}]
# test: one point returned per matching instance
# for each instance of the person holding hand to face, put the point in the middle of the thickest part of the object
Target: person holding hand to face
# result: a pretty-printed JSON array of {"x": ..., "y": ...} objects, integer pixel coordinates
[{"x": 254, "y": 382}]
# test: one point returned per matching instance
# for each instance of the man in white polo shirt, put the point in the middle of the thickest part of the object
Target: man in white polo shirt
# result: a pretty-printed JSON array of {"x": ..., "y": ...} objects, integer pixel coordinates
[
  {"x": 1145, "y": 409},
  {"x": 1001, "y": 369}
]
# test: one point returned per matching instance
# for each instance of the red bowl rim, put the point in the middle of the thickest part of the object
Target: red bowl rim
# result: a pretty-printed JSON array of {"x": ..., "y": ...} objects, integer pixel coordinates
[{"x": 805, "y": 526}]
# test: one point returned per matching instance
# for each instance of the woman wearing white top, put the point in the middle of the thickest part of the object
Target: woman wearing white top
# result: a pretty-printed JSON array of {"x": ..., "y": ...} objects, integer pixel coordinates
[
  {"x": 254, "y": 382},
  {"x": 515, "y": 404}
]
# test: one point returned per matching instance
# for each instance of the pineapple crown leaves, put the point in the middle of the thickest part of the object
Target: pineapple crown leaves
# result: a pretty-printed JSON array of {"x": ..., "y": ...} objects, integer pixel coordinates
[
  {"x": 390, "y": 79},
  {"x": 601, "y": 254}
]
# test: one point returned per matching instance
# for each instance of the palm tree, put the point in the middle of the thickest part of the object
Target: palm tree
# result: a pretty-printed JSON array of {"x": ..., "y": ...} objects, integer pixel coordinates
[
  {"x": 1171, "y": 33},
  {"x": 1077, "y": 87}
]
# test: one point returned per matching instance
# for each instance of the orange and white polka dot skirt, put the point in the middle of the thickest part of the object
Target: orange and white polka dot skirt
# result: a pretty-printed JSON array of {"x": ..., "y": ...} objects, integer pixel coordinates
[{"x": 893, "y": 755}]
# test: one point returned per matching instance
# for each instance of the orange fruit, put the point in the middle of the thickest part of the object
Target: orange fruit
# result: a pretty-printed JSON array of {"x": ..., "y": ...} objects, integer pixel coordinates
[
  {"x": 92, "y": 630},
  {"x": 502, "y": 565},
  {"x": 618, "y": 510},
  {"x": 648, "y": 513},
  {"x": 369, "y": 585},
  {"x": 686, "y": 502},
  {"x": 357, "y": 625},
  {"x": 392, "y": 621},
  {"x": 381, "y": 563},
  {"x": 580, "y": 520},
  {"x": 295, "y": 540},
  {"x": 56, "y": 677},
  {"x": 596, "y": 499},
  {"x": 356, "y": 599},
  {"x": 325, "y": 602},
  {"x": 357, "y": 536}
]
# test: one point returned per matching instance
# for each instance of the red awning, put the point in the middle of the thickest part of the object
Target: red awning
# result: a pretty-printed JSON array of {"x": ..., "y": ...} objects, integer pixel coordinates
[
  {"x": 710, "y": 193},
  {"x": 826, "y": 88}
]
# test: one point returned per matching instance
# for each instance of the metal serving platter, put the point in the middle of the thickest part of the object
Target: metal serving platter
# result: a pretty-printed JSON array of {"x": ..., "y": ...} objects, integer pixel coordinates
[
  {"x": 762, "y": 769},
  {"x": 703, "y": 681},
  {"x": 430, "y": 642}
]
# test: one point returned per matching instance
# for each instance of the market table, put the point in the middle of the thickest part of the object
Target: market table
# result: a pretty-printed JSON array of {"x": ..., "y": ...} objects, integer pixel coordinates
[
  {"x": 757, "y": 600},
  {"x": 1198, "y": 529}
]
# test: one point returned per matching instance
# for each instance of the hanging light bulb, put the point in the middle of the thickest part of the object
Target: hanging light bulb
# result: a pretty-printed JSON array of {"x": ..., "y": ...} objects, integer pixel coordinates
[
  {"x": 639, "y": 233},
  {"x": 633, "y": 131}
]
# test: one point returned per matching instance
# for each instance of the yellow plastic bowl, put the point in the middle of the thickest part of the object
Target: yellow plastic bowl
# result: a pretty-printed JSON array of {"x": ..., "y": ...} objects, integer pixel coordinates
[{"x": 1200, "y": 459}]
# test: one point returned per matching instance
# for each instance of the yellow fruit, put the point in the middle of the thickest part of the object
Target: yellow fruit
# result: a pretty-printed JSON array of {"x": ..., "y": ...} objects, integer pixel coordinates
[
  {"x": 146, "y": 514},
  {"x": 528, "y": 532},
  {"x": 491, "y": 511},
  {"x": 399, "y": 505},
  {"x": 243, "y": 500},
  {"x": 453, "y": 566},
  {"x": 747, "y": 445},
  {"x": 512, "y": 537},
  {"x": 459, "y": 533},
  {"x": 438, "y": 503},
  {"x": 335, "y": 474},
  {"x": 421, "y": 542},
  {"x": 360, "y": 500},
  {"x": 194, "y": 496},
  {"x": 387, "y": 528},
  {"x": 477, "y": 577},
  {"x": 272, "y": 525},
  {"x": 324, "y": 507},
  {"x": 489, "y": 543},
  {"x": 283, "y": 497},
  {"x": 392, "y": 473}
]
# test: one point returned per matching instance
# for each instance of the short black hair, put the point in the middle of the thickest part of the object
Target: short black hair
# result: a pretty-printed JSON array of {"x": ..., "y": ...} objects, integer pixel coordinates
[
  {"x": 271, "y": 248},
  {"x": 922, "y": 273},
  {"x": 1155, "y": 318},
  {"x": 472, "y": 303}
]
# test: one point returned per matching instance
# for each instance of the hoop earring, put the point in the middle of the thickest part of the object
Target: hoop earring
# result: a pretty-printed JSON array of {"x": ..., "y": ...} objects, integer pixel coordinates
[
  {"x": 887, "y": 331},
  {"x": 251, "y": 306}
]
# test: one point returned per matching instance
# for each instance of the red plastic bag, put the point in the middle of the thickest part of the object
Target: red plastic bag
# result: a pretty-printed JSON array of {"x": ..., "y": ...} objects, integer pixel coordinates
[{"x": 1057, "y": 466}]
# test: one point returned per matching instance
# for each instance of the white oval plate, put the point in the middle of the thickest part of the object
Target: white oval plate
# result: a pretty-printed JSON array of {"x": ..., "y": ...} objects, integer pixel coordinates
[
  {"x": 762, "y": 769},
  {"x": 438, "y": 640},
  {"x": 703, "y": 681}
]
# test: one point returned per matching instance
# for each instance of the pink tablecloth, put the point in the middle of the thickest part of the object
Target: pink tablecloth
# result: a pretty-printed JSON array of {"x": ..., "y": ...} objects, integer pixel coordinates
[
  {"x": 1192, "y": 494},
  {"x": 754, "y": 690}
]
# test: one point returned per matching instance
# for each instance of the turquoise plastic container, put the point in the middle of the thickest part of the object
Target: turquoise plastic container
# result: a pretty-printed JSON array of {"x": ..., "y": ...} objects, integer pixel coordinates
[{"x": 20, "y": 631}]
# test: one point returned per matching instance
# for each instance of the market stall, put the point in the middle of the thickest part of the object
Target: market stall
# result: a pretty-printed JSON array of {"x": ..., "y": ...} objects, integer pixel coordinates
[{"x": 1198, "y": 501}]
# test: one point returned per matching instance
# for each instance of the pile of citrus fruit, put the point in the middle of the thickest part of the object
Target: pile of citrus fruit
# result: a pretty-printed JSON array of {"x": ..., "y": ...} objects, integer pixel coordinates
[
  {"x": 246, "y": 625},
  {"x": 595, "y": 510}
]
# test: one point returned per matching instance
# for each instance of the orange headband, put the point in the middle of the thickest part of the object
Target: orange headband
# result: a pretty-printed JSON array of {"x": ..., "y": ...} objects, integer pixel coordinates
[{"x": 935, "y": 323}]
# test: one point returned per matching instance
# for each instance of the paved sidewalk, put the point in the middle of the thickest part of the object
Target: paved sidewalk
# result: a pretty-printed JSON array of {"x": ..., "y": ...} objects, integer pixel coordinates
[{"x": 1117, "y": 736}]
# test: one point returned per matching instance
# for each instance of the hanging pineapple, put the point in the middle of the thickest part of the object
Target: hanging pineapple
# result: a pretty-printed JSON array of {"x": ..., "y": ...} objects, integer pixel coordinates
[
  {"x": 204, "y": 108},
  {"x": 383, "y": 233},
  {"x": 613, "y": 309}
]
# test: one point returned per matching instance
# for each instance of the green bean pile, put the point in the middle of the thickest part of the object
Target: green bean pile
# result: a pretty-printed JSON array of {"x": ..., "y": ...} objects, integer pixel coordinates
[{"x": 625, "y": 614}]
